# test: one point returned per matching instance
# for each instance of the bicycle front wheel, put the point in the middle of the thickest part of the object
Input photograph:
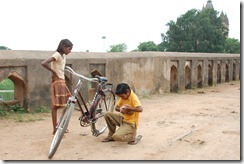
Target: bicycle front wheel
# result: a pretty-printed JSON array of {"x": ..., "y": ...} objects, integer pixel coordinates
[
  {"x": 62, "y": 126},
  {"x": 105, "y": 103}
]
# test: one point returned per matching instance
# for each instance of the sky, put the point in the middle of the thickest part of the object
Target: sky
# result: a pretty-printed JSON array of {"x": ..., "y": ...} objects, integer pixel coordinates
[{"x": 41, "y": 24}]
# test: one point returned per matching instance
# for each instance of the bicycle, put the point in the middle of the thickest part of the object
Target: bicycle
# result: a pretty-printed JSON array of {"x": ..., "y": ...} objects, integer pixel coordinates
[{"x": 104, "y": 100}]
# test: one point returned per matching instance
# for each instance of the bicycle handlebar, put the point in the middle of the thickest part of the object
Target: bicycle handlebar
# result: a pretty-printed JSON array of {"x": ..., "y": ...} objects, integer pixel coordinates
[{"x": 70, "y": 70}]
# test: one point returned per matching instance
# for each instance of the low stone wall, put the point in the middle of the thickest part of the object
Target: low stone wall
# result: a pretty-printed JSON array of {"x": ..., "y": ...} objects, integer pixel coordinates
[{"x": 146, "y": 72}]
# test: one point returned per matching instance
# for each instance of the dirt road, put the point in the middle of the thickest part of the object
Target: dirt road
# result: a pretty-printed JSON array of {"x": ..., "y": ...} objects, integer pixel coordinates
[{"x": 201, "y": 124}]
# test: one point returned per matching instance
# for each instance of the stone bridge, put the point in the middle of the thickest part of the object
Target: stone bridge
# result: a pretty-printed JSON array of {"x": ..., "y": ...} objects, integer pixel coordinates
[{"x": 146, "y": 72}]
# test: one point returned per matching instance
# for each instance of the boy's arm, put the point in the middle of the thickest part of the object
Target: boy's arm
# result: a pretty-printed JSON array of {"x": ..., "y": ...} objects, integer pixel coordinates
[
  {"x": 126, "y": 109},
  {"x": 117, "y": 108},
  {"x": 133, "y": 109}
]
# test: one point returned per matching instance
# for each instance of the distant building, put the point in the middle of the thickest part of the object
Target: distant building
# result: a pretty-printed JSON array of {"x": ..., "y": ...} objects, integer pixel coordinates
[
  {"x": 223, "y": 16},
  {"x": 209, "y": 5}
]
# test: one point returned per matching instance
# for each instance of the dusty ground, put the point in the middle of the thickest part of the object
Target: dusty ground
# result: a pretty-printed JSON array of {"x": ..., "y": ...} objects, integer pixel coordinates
[{"x": 201, "y": 124}]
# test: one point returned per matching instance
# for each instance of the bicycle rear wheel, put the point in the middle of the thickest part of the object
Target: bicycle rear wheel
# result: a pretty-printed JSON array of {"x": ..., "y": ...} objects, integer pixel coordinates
[
  {"x": 62, "y": 126},
  {"x": 106, "y": 103}
]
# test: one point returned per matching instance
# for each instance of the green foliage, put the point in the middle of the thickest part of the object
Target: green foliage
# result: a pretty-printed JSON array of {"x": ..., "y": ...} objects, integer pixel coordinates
[
  {"x": 7, "y": 96},
  {"x": 42, "y": 109},
  {"x": 163, "y": 45},
  {"x": 4, "y": 48},
  {"x": 232, "y": 46},
  {"x": 147, "y": 46},
  {"x": 195, "y": 31},
  {"x": 6, "y": 84},
  {"x": 118, "y": 48},
  {"x": 17, "y": 109},
  {"x": 11, "y": 109},
  {"x": 3, "y": 113},
  {"x": 19, "y": 114}
]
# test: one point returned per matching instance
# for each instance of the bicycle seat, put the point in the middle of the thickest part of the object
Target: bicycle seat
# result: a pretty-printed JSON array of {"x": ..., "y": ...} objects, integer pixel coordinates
[{"x": 101, "y": 78}]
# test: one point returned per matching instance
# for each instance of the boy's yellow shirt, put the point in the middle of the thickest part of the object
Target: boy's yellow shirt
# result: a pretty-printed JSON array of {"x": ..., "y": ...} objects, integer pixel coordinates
[{"x": 133, "y": 101}]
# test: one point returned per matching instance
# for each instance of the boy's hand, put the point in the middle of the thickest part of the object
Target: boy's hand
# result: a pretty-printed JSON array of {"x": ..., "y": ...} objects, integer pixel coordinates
[{"x": 125, "y": 109}]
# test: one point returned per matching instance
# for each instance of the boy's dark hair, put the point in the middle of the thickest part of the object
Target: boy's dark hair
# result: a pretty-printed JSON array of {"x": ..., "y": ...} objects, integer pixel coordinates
[
  {"x": 64, "y": 43},
  {"x": 122, "y": 88}
]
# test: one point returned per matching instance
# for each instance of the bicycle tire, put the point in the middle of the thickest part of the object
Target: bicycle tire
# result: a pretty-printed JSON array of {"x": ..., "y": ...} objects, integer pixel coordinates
[
  {"x": 100, "y": 125},
  {"x": 63, "y": 125}
]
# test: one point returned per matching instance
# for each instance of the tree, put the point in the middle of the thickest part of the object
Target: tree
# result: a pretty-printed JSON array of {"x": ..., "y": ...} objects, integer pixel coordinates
[
  {"x": 4, "y": 48},
  {"x": 147, "y": 46},
  {"x": 118, "y": 48},
  {"x": 195, "y": 31},
  {"x": 163, "y": 46},
  {"x": 232, "y": 46}
]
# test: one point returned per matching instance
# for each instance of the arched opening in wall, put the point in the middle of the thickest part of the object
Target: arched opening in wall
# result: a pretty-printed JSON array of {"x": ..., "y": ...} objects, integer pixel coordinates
[
  {"x": 234, "y": 72},
  {"x": 19, "y": 91},
  {"x": 219, "y": 74},
  {"x": 173, "y": 79},
  {"x": 187, "y": 77},
  {"x": 199, "y": 76},
  {"x": 19, "y": 88},
  {"x": 227, "y": 76},
  {"x": 6, "y": 90},
  {"x": 210, "y": 75}
]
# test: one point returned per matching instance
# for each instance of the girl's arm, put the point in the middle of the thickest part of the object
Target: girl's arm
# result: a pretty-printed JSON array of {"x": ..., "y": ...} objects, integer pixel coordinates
[{"x": 45, "y": 64}]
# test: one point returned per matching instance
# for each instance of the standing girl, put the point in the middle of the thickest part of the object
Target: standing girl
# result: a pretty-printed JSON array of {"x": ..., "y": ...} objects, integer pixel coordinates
[{"x": 59, "y": 90}]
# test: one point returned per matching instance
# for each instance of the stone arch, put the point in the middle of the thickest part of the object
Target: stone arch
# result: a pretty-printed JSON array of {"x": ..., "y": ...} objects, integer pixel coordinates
[
  {"x": 199, "y": 76},
  {"x": 234, "y": 72},
  {"x": 19, "y": 89},
  {"x": 187, "y": 77},
  {"x": 210, "y": 75},
  {"x": 227, "y": 76},
  {"x": 173, "y": 79},
  {"x": 219, "y": 74}
]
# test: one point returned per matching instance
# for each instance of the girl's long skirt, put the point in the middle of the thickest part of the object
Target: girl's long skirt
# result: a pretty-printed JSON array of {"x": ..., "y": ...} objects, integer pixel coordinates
[{"x": 59, "y": 93}]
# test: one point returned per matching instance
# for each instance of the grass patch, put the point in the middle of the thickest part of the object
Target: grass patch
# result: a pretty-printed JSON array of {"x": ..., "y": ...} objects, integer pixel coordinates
[
  {"x": 6, "y": 96},
  {"x": 19, "y": 114}
]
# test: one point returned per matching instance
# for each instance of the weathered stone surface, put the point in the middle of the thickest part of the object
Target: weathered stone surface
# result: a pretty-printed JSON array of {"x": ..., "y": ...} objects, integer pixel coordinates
[{"x": 146, "y": 72}]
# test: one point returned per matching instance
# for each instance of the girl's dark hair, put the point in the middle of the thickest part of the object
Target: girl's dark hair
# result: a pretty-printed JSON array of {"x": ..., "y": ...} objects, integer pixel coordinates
[
  {"x": 122, "y": 88},
  {"x": 64, "y": 43}
]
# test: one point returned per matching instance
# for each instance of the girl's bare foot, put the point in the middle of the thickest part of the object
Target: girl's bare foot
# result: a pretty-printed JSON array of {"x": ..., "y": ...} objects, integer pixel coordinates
[{"x": 54, "y": 132}]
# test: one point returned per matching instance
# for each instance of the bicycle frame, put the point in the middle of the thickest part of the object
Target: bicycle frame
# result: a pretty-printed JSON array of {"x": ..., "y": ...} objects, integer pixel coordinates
[
  {"x": 104, "y": 95},
  {"x": 87, "y": 115}
]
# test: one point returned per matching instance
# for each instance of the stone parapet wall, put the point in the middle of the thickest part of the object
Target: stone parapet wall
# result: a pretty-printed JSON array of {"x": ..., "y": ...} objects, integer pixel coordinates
[{"x": 146, "y": 72}]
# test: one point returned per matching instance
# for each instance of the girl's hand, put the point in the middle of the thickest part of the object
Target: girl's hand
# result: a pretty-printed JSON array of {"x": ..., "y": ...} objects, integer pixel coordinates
[{"x": 54, "y": 76}]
